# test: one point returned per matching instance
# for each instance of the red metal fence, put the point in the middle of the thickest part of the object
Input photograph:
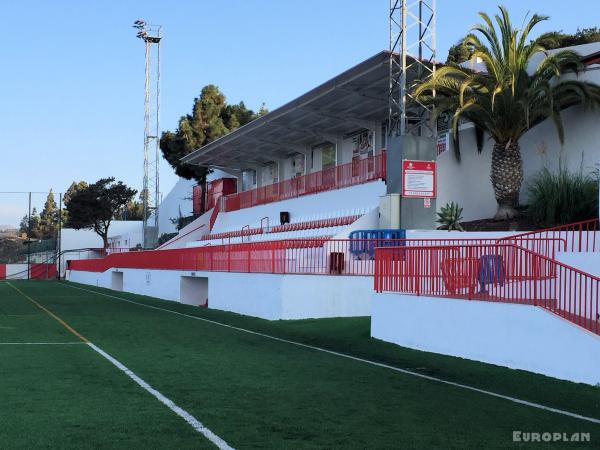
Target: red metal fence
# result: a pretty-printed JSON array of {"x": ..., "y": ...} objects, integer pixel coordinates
[
  {"x": 197, "y": 200},
  {"x": 319, "y": 256},
  {"x": 578, "y": 237},
  {"x": 502, "y": 272},
  {"x": 344, "y": 175}
]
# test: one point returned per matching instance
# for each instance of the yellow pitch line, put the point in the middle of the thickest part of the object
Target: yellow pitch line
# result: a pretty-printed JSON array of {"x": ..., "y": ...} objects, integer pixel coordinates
[{"x": 50, "y": 313}]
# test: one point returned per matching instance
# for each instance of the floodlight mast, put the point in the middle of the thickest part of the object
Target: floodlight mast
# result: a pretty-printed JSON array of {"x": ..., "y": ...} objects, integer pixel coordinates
[
  {"x": 412, "y": 53},
  {"x": 151, "y": 35}
]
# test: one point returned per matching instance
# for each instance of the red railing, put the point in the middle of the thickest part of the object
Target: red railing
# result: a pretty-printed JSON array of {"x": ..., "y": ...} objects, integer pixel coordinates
[
  {"x": 213, "y": 217},
  {"x": 197, "y": 200},
  {"x": 579, "y": 237},
  {"x": 502, "y": 272},
  {"x": 319, "y": 256},
  {"x": 337, "y": 177},
  {"x": 111, "y": 250}
]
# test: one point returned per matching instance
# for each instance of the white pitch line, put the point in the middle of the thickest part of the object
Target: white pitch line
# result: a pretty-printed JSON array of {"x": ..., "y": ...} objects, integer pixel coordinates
[
  {"x": 41, "y": 343},
  {"x": 195, "y": 423},
  {"x": 366, "y": 361},
  {"x": 191, "y": 420}
]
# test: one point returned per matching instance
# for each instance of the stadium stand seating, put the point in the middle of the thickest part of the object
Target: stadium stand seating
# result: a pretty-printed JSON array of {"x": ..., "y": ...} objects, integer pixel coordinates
[{"x": 323, "y": 225}]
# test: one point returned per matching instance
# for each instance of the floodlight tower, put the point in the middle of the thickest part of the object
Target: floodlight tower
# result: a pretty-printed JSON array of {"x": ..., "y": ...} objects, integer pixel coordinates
[
  {"x": 151, "y": 35},
  {"x": 412, "y": 54}
]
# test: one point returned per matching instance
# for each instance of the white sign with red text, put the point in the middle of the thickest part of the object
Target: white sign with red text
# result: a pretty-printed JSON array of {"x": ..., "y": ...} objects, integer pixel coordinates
[{"x": 418, "y": 179}]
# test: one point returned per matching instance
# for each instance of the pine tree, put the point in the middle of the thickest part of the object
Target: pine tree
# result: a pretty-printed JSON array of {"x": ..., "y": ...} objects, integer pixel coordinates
[
  {"x": 49, "y": 218},
  {"x": 211, "y": 118}
]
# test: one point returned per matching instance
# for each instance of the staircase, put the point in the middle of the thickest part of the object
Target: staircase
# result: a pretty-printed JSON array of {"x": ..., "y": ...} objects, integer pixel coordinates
[{"x": 520, "y": 269}]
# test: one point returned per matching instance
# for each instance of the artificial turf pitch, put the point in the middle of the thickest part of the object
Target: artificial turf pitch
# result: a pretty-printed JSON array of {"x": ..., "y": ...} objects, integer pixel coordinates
[{"x": 251, "y": 391}]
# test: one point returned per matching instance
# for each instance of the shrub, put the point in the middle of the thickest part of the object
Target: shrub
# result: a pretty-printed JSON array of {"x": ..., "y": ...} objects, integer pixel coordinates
[
  {"x": 449, "y": 217},
  {"x": 562, "y": 197}
]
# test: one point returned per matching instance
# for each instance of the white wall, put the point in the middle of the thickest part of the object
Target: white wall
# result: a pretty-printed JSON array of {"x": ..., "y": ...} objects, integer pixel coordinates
[
  {"x": 468, "y": 182},
  {"x": 445, "y": 234},
  {"x": 516, "y": 336},
  {"x": 179, "y": 199},
  {"x": 587, "y": 262},
  {"x": 362, "y": 195},
  {"x": 191, "y": 232},
  {"x": 71, "y": 239},
  {"x": 267, "y": 296},
  {"x": 17, "y": 271}
]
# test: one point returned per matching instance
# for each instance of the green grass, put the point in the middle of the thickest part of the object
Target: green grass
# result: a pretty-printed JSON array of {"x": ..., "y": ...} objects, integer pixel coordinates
[{"x": 251, "y": 391}]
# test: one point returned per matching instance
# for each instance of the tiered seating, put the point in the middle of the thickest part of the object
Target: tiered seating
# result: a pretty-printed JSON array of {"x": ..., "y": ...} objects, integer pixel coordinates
[
  {"x": 314, "y": 224},
  {"x": 322, "y": 225},
  {"x": 233, "y": 234}
]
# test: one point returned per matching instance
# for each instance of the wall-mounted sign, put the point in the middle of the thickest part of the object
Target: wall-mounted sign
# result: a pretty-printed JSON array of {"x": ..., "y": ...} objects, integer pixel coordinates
[
  {"x": 418, "y": 179},
  {"x": 298, "y": 164},
  {"x": 443, "y": 133},
  {"x": 362, "y": 144}
]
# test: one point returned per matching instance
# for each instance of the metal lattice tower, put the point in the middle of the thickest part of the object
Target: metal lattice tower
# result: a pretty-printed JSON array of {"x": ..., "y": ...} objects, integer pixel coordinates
[
  {"x": 151, "y": 35},
  {"x": 412, "y": 58}
]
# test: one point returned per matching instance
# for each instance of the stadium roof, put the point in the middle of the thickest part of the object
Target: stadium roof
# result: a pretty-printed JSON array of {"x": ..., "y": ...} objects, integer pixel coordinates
[{"x": 355, "y": 99}]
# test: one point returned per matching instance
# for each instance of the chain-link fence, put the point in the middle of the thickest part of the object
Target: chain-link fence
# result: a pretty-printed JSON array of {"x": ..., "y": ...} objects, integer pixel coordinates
[{"x": 30, "y": 225}]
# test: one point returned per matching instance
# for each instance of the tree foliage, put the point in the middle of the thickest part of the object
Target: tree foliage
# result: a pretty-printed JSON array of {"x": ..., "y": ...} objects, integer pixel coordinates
[
  {"x": 558, "y": 39},
  {"x": 94, "y": 207},
  {"x": 133, "y": 210},
  {"x": 507, "y": 101},
  {"x": 211, "y": 118},
  {"x": 30, "y": 225},
  {"x": 49, "y": 218},
  {"x": 461, "y": 52},
  {"x": 42, "y": 225}
]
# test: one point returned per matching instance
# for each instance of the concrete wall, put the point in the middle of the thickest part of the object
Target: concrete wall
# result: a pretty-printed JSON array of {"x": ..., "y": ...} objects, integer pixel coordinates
[
  {"x": 510, "y": 335},
  {"x": 267, "y": 296}
]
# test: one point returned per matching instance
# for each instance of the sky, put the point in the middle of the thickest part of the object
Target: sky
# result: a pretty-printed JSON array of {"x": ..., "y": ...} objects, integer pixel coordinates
[{"x": 72, "y": 72}]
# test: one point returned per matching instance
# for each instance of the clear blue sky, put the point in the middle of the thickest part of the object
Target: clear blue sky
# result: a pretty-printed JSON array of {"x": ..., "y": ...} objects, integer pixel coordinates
[{"x": 71, "y": 78}]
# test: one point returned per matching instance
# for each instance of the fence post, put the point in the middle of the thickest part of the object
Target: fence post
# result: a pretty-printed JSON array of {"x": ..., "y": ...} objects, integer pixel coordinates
[
  {"x": 536, "y": 276},
  {"x": 248, "y": 257},
  {"x": 272, "y": 258}
]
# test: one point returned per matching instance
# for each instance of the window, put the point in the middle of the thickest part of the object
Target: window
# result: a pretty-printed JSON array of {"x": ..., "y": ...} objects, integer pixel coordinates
[
  {"x": 298, "y": 164},
  {"x": 248, "y": 179},
  {"x": 328, "y": 156},
  {"x": 270, "y": 174}
]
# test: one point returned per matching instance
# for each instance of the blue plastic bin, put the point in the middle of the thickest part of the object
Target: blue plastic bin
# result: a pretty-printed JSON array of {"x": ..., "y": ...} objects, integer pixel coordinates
[{"x": 376, "y": 238}]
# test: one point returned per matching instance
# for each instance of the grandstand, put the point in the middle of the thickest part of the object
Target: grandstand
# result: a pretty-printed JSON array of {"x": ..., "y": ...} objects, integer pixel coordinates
[{"x": 307, "y": 220}]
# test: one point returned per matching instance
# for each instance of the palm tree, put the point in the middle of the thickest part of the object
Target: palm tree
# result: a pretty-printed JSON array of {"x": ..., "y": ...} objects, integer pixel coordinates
[{"x": 506, "y": 100}]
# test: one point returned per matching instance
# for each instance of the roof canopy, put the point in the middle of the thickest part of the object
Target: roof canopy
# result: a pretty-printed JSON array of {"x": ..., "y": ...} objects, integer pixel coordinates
[{"x": 353, "y": 100}]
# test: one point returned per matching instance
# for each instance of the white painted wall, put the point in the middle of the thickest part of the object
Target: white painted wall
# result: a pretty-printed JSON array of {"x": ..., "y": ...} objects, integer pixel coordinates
[
  {"x": 587, "y": 262},
  {"x": 129, "y": 239},
  {"x": 468, "y": 182},
  {"x": 350, "y": 198},
  {"x": 267, "y": 296},
  {"x": 191, "y": 232},
  {"x": 179, "y": 199},
  {"x": 75, "y": 239},
  {"x": 444, "y": 234},
  {"x": 510, "y": 335},
  {"x": 17, "y": 271}
]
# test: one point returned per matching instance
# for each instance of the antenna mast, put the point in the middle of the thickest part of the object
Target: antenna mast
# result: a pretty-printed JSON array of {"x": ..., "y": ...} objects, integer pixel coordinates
[
  {"x": 151, "y": 35},
  {"x": 412, "y": 59}
]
